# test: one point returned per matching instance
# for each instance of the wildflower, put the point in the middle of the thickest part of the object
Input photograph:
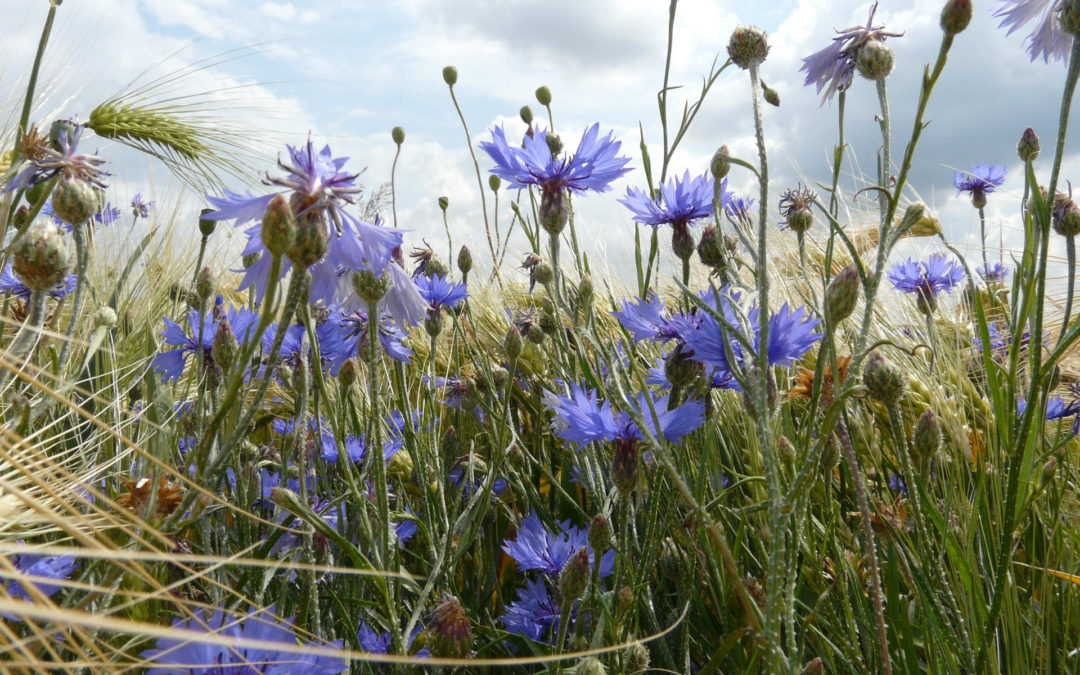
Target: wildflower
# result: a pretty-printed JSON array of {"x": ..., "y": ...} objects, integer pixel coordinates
[
  {"x": 979, "y": 182},
  {"x": 321, "y": 437},
  {"x": 993, "y": 272},
  {"x": 343, "y": 333},
  {"x": 170, "y": 363},
  {"x": 1056, "y": 407},
  {"x": 926, "y": 278},
  {"x": 33, "y": 569},
  {"x": 647, "y": 320},
  {"x": 379, "y": 643},
  {"x": 533, "y": 613},
  {"x": 107, "y": 215},
  {"x": 48, "y": 162},
  {"x": 187, "y": 655},
  {"x": 427, "y": 263},
  {"x": 1048, "y": 40},
  {"x": 795, "y": 207},
  {"x": 582, "y": 419},
  {"x": 537, "y": 549},
  {"x": 440, "y": 292},
  {"x": 833, "y": 67},
  {"x": 681, "y": 202},
  {"x": 593, "y": 167},
  {"x": 139, "y": 208},
  {"x": 138, "y": 492},
  {"x": 12, "y": 285}
]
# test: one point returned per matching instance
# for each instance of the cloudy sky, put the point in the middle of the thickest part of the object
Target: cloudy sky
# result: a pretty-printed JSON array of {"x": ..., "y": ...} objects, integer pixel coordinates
[{"x": 347, "y": 71}]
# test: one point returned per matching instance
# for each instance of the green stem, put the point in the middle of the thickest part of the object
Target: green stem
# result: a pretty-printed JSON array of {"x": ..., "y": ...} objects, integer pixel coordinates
[
  {"x": 1070, "y": 250},
  {"x": 81, "y": 258}
]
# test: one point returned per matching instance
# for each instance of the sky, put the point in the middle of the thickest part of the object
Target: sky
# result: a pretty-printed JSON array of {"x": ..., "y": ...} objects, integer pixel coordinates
[{"x": 348, "y": 71}]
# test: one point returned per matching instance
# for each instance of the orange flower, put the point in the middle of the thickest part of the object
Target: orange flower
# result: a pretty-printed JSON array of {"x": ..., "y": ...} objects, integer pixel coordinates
[
  {"x": 138, "y": 493},
  {"x": 804, "y": 382}
]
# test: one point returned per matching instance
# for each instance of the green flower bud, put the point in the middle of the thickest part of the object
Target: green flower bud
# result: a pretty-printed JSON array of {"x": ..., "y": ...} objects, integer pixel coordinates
[
  {"x": 68, "y": 127},
  {"x": 444, "y": 203},
  {"x": 225, "y": 345},
  {"x": 801, "y": 220},
  {"x": 501, "y": 376},
  {"x": 398, "y": 135},
  {"x": 600, "y": 534},
  {"x": 433, "y": 323},
  {"x": 574, "y": 577},
  {"x": 526, "y": 115},
  {"x": 842, "y": 294},
  {"x": 543, "y": 273},
  {"x": 347, "y": 373},
  {"x": 449, "y": 75},
  {"x": 464, "y": 260},
  {"x": 637, "y": 659},
  {"x": 494, "y": 182},
  {"x": 512, "y": 343},
  {"x": 923, "y": 223},
  {"x": 206, "y": 225},
  {"x": 770, "y": 95},
  {"x": 590, "y": 666},
  {"x": 1028, "y": 147},
  {"x": 1069, "y": 16},
  {"x": 450, "y": 634},
  {"x": 312, "y": 238},
  {"x": 369, "y": 287},
  {"x": 204, "y": 284},
  {"x": 553, "y": 212},
  {"x": 709, "y": 250},
  {"x": 543, "y": 96},
  {"x": 535, "y": 334},
  {"x": 747, "y": 47},
  {"x": 400, "y": 466},
  {"x": 625, "y": 472},
  {"x": 74, "y": 200},
  {"x": 22, "y": 214},
  {"x": 278, "y": 226},
  {"x": 624, "y": 601},
  {"x": 955, "y": 16},
  {"x": 830, "y": 456},
  {"x": 926, "y": 437},
  {"x": 585, "y": 290},
  {"x": 548, "y": 323},
  {"x": 875, "y": 60},
  {"x": 1046, "y": 475},
  {"x": 884, "y": 382},
  {"x": 785, "y": 450}
]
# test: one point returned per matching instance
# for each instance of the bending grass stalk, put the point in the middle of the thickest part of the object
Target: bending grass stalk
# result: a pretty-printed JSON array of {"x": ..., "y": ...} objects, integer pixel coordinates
[
  {"x": 1036, "y": 389},
  {"x": 867, "y": 527},
  {"x": 28, "y": 101}
]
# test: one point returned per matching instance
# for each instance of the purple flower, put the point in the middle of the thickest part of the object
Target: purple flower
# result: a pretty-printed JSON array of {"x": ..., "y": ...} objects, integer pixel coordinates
[
  {"x": 581, "y": 419},
  {"x": 140, "y": 208},
  {"x": 833, "y": 67},
  {"x": 993, "y": 272},
  {"x": 537, "y": 549},
  {"x": 343, "y": 333},
  {"x": 681, "y": 202},
  {"x": 441, "y": 292},
  {"x": 533, "y": 613},
  {"x": 170, "y": 363},
  {"x": 323, "y": 436},
  {"x": 35, "y": 568},
  {"x": 51, "y": 162},
  {"x": 1048, "y": 40},
  {"x": 403, "y": 302},
  {"x": 12, "y": 285},
  {"x": 108, "y": 215},
  {"x": 928, "y": 278},
  {"x": 980, "y": 181},
  {"x": 379, "y": 643},
  {"x": 738, "y": 208},
  {"x": 593, "y": 167},
  {"x": 647, "y": 320},
  {"x": 187, "y": 655}
]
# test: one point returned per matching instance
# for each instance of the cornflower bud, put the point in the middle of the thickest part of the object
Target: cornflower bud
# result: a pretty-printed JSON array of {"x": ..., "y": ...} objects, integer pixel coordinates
[
  {"x": 585, "y": 291},
  {"x": 1066, "y": 216},
  {"x": 204, "y": 284},
  {"x": 720, "y": 164},
  {"x": 600, "y": 534},
  {"x": 795, "y": 205},
  {"x": 747, "y": 46},
  {"x": 554, "y": 143},
  {"x": 526, "y": 115},
  {"x": 548, "y": 323},
  {"x": 785, "y": 450},
  {"x": 398, "y": 135},
  {"x": 553, "y": 212},
  {"x": 709, "y": 250},
  {"x": 1046, "y": 475},
  {"x": 1069, "y": 16},
  {"x": 225, "y": 345},
  {"x": 347, "y": 374},
  {"x": 624, "y": 600},
  {"x": 543, "y": 273},
  {"x": 74, "y": 200},
  {"x": 682, "y": 242},
  {"x": 449, "y": 75},
  {"x": 925, "y": 225},
  {"x": 884, "y": 382},
  {"x": 955, "y": 16},
  {"x": 842, "y": 294},
  {"x": 926, "y": 437},
  {"x": 400, "y": 466},
  {"x": 206, "y": 225},
  {"x": 433, "y": 323},
  {"x": 278, "y": 226},
  {"x": 543, "y": 96},
  {"x": 494, "y": 182},
  {"x": 68, "y": 127},
  {"x": 535, "y": 334},
  {"x": 512, "y": 343},
  {"x": 830, "y": 455},
  {"x": 435, "y": 267},
  {"x": 770, "y": 95},
  {"x": 625, "y": 473},
  {"x": 1028, "y": 147},
  {"x": 444, "y": 203},
  {"x": 680, "y": 368},
  {"x": 369, "y": 287},
  {"x": 875, "y": 60},
  {"x": 449, "y": 629},
  {"x": 574, "y": 577},
  {"x": 464, "y": 260},
  {"x": 21, "y": 215}
]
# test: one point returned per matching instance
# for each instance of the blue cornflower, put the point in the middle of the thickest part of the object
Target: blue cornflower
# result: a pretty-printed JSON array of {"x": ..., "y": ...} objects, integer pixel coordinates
[
  {"x": 533, "y": 613},
  {"x": 440, "y": 291},
  {"x": 379, "y": 643},
  {"x": 979, "y": 182},
  {"x": 833, "y": 67},
  {"x": 290, "y": 351},
  {"x": 341, "y": 335},
  {"x": 681, "y": 201},
  {"x": 108, "y": 215},
  {"x": 593, "y": 167},
  {"x": 33, "y": 569},
  {"x": 738, "y": 208},
  {"x": 12, "y": 285},
  {"x": 186, "y": 655},
  {"x": 170, "y": 363},
  {"x": 323, "y": 435},
  {"x": 458, "y": 476},
  {"x": 896, "y": 484},
  {"x": 993, "y": 272},
  {"x": 581, "y": 419},
  {"x": 647, "y": 320},
  {"x": 1056, "y": 407},
  {"x": 1048, "y": 40},
  {"x": 537, "y": 549},
  {"x": 140, "y": 208},
  {"x": 926, "y": 278},
  {"x": 47, "y": 162}
]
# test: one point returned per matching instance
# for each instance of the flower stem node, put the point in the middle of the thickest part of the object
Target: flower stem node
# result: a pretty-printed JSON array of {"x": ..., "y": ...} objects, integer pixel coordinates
[
  {"x": 842, "y": 294},
  {"x": 1028, "y": 147},
  {"x": 449, "y": 75},
  {"x": 398, "y": 135},
  {"x": 875, "y": 60},
  {"x": 926, "y": 437},
  {"x": 278, "y": 226},
  {"x": 748, "y": 47},
  {"x": 884, "y": 382},
  {"x": 74, "y": 200},
  {"x": 955, "y": 16},
  {"x": 370, "y": 287},
  {"x": 574, "y": 577},
  {"x": 543, "y": 96}
]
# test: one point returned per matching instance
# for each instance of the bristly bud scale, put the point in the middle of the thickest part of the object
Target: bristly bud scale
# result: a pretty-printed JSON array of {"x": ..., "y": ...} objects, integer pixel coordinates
[
  {"x": 512, "y": 343},
  {"x": 449, "y": 75},
  {"x": 397, "y": 134},
  {"x": 875, "y": 60},
  {"x": 600, "y": 534},
  {"x": 74, "y": 200},
  {"x": 574, "y": 577},
  {"x": 842, "y": 294},
  {"x": 225, "y": 345},
  {"x": 747, "y": 47},
  {"x": 543, "y": 96},
  {"x": 884, "y": 382},
  {"x": 369, "y": 287},
  {"x": 41, "y": 258},
  {"x": 955, "y": 16},
  {"x": 1028, "y": 147},
  {"x": 464, "y": 260},
  {"x": 278, "y": 226},
  {"x": 450, "y": 634},
  {"x": 926, "y": 437}
]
